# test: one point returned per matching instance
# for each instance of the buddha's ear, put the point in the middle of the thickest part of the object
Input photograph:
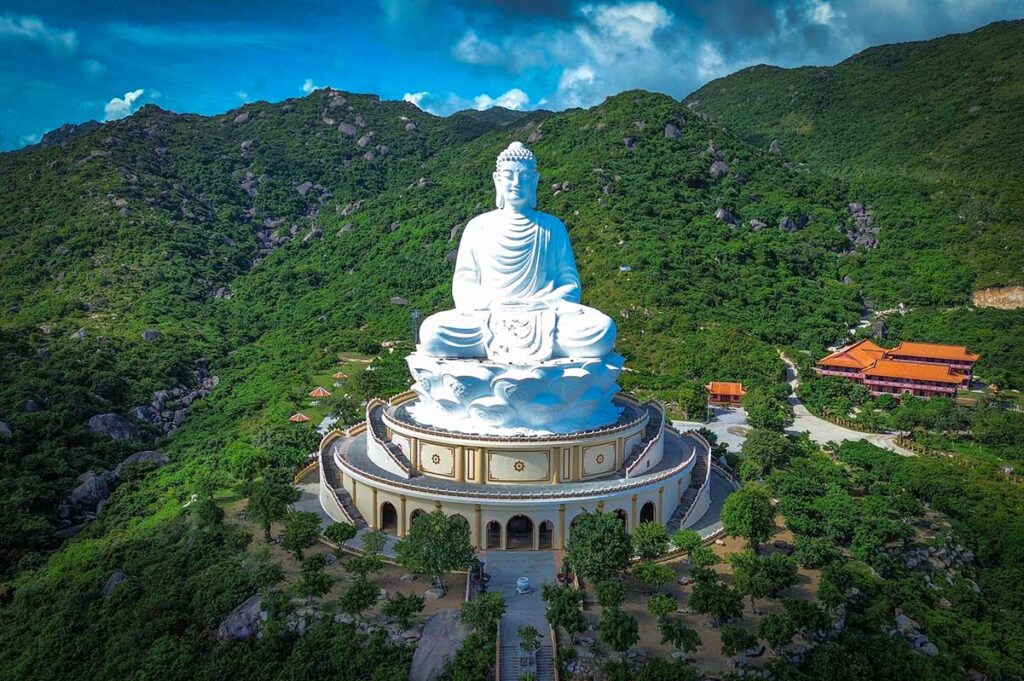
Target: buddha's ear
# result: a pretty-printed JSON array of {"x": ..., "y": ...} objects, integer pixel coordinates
[{"x": 499, "y": 200}]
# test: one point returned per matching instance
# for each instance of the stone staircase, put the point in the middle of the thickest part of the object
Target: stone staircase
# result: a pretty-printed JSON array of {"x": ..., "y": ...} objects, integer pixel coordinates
[
  {"x": 697, "y": 475},
  {"x": 380, "y": 432},
  {"x": 333, "y": 478},
  {"x": 512, "y": 658},
  {"x": 650, "y": 432}
]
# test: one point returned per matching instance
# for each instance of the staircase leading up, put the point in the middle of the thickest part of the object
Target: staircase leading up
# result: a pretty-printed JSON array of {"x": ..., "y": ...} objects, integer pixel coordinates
[
  {"x": 333, "y": 478},
  {"x": 512, "y": 663}
]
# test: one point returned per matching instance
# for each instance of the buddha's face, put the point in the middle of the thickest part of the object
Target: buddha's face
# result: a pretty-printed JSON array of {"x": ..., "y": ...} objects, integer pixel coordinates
[{"x": 515, "y": 185}]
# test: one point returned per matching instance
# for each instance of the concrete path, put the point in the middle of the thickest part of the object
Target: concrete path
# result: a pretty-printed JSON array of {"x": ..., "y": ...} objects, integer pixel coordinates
[
  {"x": 730, "y": 424},
  {"x": 505, "y": 567},
  {"x": 711, "y": 521}
]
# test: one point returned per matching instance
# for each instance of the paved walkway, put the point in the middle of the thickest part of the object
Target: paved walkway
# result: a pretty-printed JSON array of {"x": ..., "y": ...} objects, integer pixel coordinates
[
  {"x": 505, "y": 567},
  {"x": 730, "y": 424},
  {"x": 711, "y": 521}
]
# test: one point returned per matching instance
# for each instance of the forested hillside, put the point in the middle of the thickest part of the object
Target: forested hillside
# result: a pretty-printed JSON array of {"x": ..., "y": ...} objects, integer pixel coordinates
[{"x": 212, "y": 265}]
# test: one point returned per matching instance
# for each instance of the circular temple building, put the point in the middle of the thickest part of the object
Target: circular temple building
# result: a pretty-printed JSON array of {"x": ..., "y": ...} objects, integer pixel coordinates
[{"x": 515, "y": 421}]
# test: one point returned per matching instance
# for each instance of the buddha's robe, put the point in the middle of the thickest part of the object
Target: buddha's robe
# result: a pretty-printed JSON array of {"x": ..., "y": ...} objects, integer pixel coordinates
[{"x": 517, "y": 293}]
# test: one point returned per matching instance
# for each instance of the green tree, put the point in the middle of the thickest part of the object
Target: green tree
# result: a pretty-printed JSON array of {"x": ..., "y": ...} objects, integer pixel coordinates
[
  {"x": 653, "y": 575},
  {"x": 736, "y": 641},
  {"x": 687, "y": 541},
  {"x": 598, "y": 547},
  {"x": 207, "y": 513},
  {"x": 610, "y": 593},
  {"x": 748, "y": 576},
  {"x": 435, "y": 545},
  {"x": 268, "y": 503},
  {"x": 777, "y": 630},
  {"x": 763, "y": 452},
  {"x": 359, "y": 595},
  {"x": 780, "y": 572},
  {"x": 564, "y": 608},
  {"x": 618, "y": 629},
  {"x": 661, "y": 605},
  {"x": 717, "y": 601},
  {"x": 402, "y": 608},
  {"x": 374, "y": 542},
  {"x": 339, "y": 533},
  {"x": 529, "y": 638},
  {"x": 676, "y": 633},
  {"x": 364, "y": 565},
  {"x": 765, "y": 411},
  {"x": 313, "y": 580},
  {"x": 483, "y": 612},
  {"x": 748, "y": 513},
  {"x": 693, "y": 400},
  {"x": 301, "y": 530},
  {"x": 650, "y": 540},
  {"x": 806, "y": 616},
  {"x": 814, "y": 552}
]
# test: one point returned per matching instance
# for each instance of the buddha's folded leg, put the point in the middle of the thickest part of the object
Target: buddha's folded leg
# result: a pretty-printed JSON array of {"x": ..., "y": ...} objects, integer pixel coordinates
[
  {"x": 452, "y": 333},
  {"x": 582, "y": 331}
]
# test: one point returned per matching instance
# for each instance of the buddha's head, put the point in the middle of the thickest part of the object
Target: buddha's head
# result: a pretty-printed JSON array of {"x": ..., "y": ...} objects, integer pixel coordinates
[{"x": 515, "y": 178}]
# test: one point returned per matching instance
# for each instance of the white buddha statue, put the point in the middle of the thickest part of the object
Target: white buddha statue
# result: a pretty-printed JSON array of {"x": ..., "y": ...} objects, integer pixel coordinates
[{"x": 516, "y": 287}]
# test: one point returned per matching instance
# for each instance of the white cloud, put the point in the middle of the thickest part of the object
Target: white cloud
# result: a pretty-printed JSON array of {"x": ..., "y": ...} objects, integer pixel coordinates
[
  {"x": 308, "y": 86},
  {"x": 32, "y": 138},
  {"x": 514, "y": 99},
  {"x": 710, "y": 62},
  {"x": 119, "y": 107},
  {"x": 34, "y": 29},
  {"x": 573, "y": 84},
  {"x": 242, "y": 95},
  {"x": 634, "y": 23},
  {"x": 821, "y": 13},
  {"x": 94, "y": 68},
  {"x": 472, "y": 50},
  {"x": 415, "y": 98}
]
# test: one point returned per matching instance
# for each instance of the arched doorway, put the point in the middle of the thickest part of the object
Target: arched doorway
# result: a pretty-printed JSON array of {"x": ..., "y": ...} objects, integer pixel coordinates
[
  {"x": 494, "y": 535},
  {"x": 545, "y": 534},
  {"x": 414, "y": 515},
  {"x": 519, "y": 533},
  {"x": 388, "y": 518},
  {"x": 647, "y": 512},
  {"x": 622, "y": 516}
]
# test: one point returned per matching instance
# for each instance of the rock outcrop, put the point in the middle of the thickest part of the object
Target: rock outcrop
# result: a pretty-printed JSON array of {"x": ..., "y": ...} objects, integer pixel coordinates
[
  {"x": 244, "y": 621},
  {"x": 113, "y": 425}
]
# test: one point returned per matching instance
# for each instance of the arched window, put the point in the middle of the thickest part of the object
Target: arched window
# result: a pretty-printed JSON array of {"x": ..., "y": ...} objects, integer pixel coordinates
[
  {"x": 414, "y": 515},
  {"x": 545, "y": 532},
  {"x": 622, "y": 516},
  {"x": 647, "y": 512},
  {"x": 519, "y": 533},
  {"x": 494, "y": 535},
  {"x": 388, "y": 518}
]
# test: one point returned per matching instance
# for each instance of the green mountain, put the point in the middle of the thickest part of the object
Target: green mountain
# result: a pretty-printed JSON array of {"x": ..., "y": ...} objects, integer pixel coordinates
[
  {"x": 920, "y": 130},
  {"x": 263, "y": 243}
]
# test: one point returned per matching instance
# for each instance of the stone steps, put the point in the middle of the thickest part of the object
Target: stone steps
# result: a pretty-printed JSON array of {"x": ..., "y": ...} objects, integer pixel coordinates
[
  {"x": 510, "y": 664},
  {"x": 333, "y": 478}
]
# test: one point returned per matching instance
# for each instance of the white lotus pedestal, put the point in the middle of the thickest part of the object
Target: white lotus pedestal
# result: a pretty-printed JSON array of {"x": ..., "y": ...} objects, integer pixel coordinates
[{"x": 498, "y": 398}]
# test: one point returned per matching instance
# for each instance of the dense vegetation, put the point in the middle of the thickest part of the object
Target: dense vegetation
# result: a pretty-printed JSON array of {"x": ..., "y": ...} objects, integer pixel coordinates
[{"x": 272, "y": 238}]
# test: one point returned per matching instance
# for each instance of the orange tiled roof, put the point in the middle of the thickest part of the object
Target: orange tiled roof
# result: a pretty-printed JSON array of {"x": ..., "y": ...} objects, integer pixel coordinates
[
  {"x": 339, "y": 376},
  {"x": 298, "y": 418},
  {"x": 725, "y": 388},
  {"x": 319, "y": 392},
  {"x": 957, "y": 353},
  {"x": 918, "y": 371},
  {"x": 860, "y": 355}
]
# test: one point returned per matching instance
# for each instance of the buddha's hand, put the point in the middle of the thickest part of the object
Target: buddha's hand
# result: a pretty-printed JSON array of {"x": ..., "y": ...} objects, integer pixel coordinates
[{"x": 560, "y": 293}]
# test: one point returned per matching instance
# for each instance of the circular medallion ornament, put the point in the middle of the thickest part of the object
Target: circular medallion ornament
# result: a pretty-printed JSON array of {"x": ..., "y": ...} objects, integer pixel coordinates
[
  {"x": 519, "y": 466},
  {"x": 436, "y": 458},
  {"x": 600, "y": 458}
]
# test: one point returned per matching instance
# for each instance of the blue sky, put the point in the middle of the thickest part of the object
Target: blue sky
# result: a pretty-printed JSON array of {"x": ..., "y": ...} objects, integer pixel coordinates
[{"x": 75, "y": 60}]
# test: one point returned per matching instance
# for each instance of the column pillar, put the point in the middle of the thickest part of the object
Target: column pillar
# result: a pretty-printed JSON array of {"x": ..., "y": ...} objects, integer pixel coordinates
[
  {"x": 414, "y": 452},
  {"x": 561, "y": 527},
  {"x": 632, "y": 516},
  {"x": 460, "y": 463},
  {"x": 479, "y": 528},
  {"x": 536, "y": 535},
  {"x": 661, "y": 504},
  {"x": 576, "y": 463},
  {"x": 402, "y": 518},
  {"x": 620, "y": 453},
  {"x": 437, "y": 505},
  {"x": 376, "y": 523},
  {"x": 481, "y": 459},
  {"x": 600, "y": 505},
  {"x": 502, "y": 535},
  {"x": 556, "y": 464}
]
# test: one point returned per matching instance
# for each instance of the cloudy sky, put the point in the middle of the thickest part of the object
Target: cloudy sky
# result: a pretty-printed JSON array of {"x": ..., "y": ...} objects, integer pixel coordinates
[{"x": 75, "y": 60}]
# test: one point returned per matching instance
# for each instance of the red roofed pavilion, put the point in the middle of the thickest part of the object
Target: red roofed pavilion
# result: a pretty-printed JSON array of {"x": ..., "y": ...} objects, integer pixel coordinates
[
  {"x": 298, "y": 418},
  {"x": 725, "y": 393},
  {"x": 319, "y": 392}
]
